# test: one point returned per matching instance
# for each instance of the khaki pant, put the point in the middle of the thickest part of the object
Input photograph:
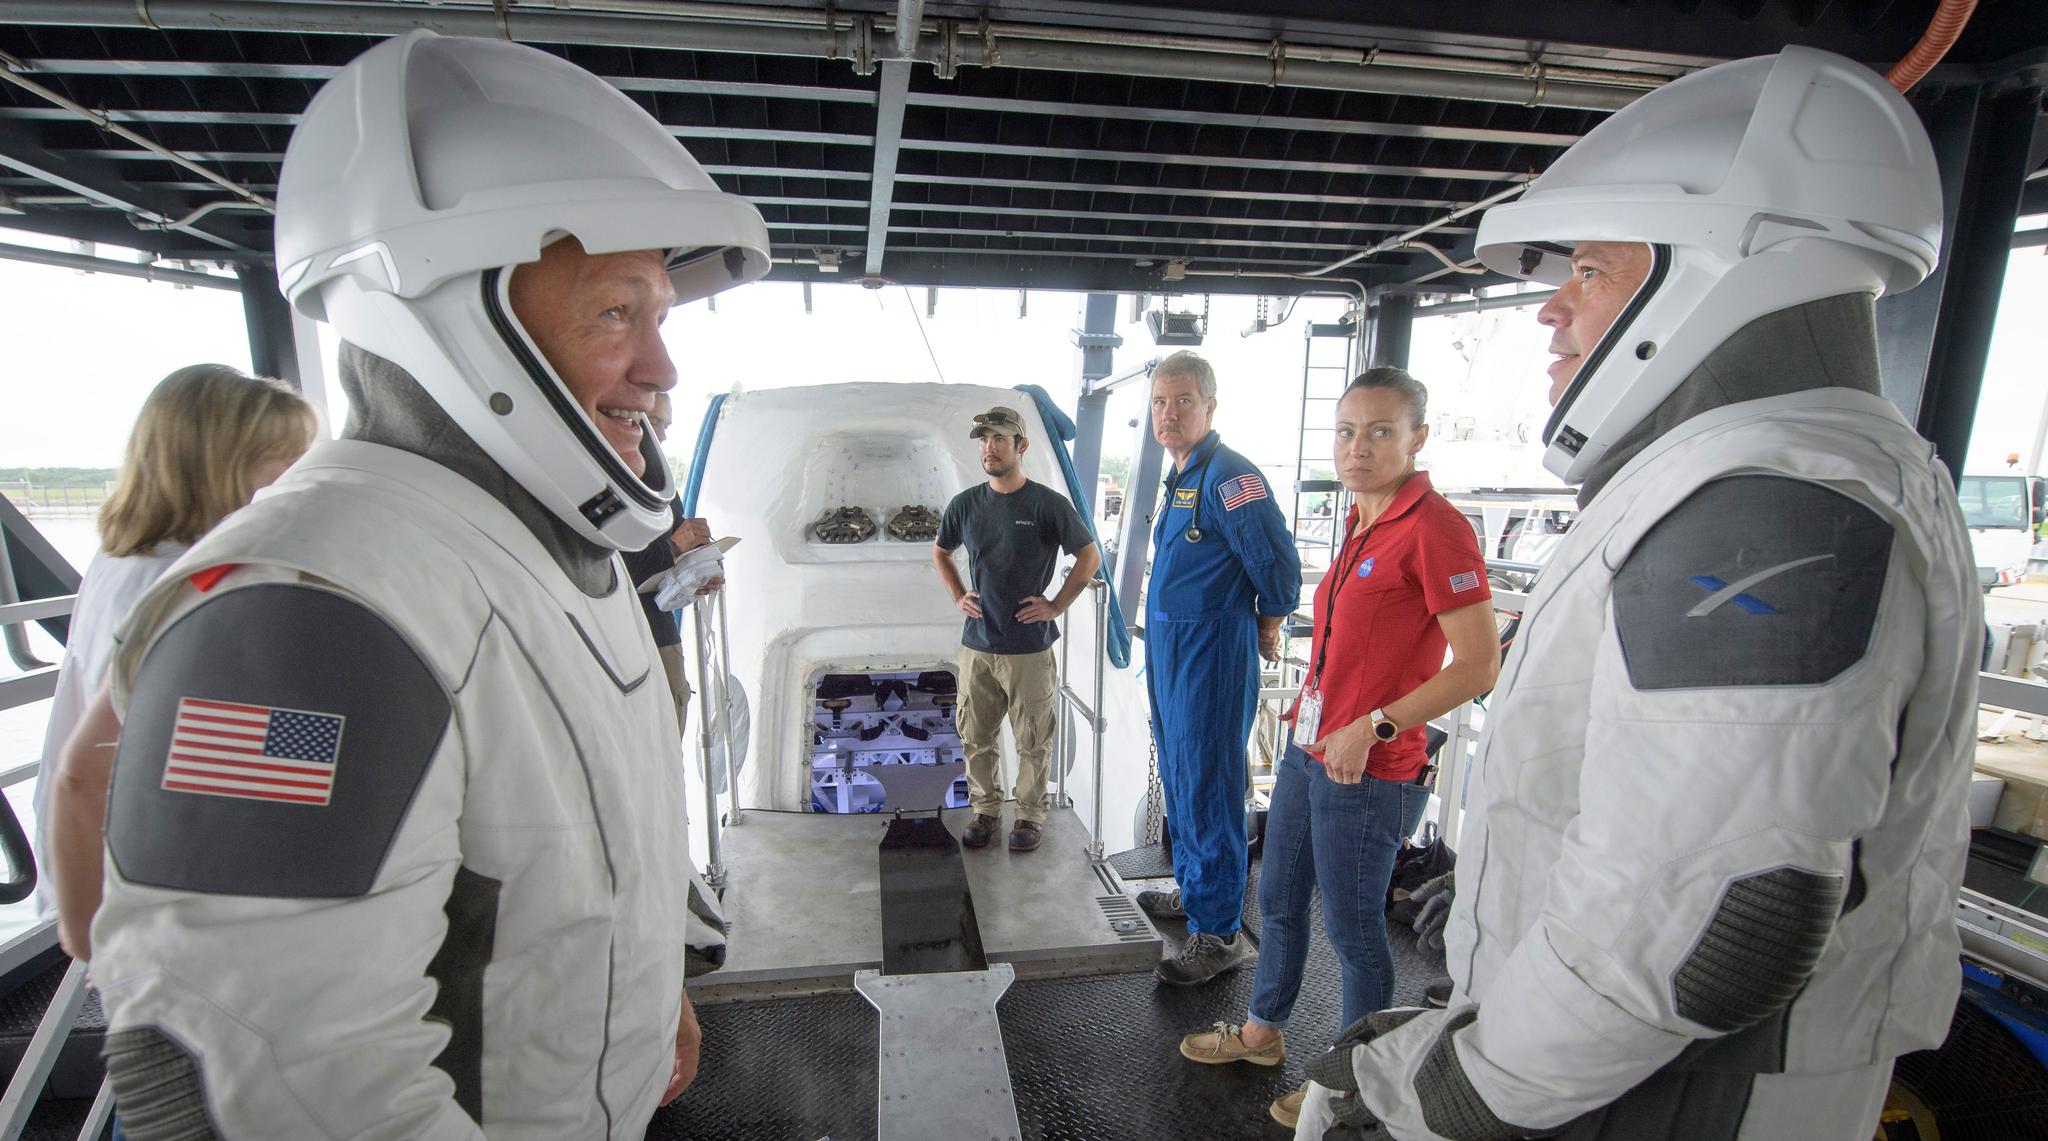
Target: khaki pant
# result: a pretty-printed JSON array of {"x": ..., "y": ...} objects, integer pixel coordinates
[
  {"x": 678, "y": 686},
  {"x": 1021, "y": 686}
]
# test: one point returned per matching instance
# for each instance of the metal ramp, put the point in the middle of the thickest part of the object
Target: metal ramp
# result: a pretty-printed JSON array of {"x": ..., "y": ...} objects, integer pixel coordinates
[{"x": 803, "y": 899}]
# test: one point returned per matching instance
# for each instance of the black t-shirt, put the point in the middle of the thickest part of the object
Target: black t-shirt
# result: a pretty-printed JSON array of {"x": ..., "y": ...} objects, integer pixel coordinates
[
  {"x": 1013, "y": 543},
  {"x": 644, "y": 564}
]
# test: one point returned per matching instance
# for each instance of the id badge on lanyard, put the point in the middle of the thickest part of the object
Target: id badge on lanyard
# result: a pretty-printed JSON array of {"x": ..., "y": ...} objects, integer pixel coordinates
[{"x": 1308, "y": 720}]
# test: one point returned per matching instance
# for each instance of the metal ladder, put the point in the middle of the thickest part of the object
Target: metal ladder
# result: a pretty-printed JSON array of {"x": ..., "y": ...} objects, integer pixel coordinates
[{"x": 1325, "y": 370}]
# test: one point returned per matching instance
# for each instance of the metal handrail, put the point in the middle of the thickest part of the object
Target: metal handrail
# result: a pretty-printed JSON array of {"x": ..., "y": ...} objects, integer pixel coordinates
[
  {"x": 37, "y": 609},
  {"x": 714, "y": 731},
  {"x": 35, "y": 685},
  {"x": 2013, "y": 693},
  {"x": 12, "y": 632},
  {"x": 1070, "y": 703},
  {"x": 41, "y": 1056}
]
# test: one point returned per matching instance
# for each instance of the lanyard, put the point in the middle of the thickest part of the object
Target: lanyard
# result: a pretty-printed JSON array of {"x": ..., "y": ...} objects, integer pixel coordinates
[
  {"x": 1194, "y": 531},
  {"x": 1330, "y": 612}
]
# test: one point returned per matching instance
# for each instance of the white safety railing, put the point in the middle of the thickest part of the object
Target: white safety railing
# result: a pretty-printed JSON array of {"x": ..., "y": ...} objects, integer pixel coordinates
[
  {"x": 1071, "y": 705},
  {"x": 714, "y": 725}
]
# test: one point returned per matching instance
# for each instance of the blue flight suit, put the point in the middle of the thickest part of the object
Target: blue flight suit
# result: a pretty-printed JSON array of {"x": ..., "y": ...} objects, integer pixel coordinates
[{"x": 1202, "y": 663}]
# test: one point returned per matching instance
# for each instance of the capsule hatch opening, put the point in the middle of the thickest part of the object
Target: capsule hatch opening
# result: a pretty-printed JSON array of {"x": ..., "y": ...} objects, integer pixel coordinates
[{"x": 886, "y": 741}]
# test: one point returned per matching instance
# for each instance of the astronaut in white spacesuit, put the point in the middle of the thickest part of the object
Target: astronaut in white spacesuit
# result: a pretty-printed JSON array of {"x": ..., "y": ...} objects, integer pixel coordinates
[
  {"x": 1716, "y": 827},
  {"x": 397, "y": 844}
]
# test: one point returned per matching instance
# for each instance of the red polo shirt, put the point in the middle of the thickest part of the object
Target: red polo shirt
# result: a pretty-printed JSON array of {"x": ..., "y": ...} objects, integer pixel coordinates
[{"x": 1376, "y": 633}]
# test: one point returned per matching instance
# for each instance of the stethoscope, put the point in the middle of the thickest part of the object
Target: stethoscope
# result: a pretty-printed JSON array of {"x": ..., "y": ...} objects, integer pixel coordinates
[{"x": 1194, "y": 532}]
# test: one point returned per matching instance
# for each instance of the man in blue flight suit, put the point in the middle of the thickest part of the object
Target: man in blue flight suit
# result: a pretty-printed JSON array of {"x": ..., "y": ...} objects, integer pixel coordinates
[{"x": 1225, "y": 574}]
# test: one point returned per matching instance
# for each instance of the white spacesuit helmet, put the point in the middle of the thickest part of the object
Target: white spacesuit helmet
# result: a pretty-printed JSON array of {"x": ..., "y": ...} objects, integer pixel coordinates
[
  {"x": 1760, "y": 184},
  {"x": 431, "y": 165}
]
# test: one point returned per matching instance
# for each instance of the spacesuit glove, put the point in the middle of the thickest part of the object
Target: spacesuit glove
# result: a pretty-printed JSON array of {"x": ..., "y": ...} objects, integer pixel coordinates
[
  {"x": 1335, "y": 1072},
  {"x": 687, "y": 579}
]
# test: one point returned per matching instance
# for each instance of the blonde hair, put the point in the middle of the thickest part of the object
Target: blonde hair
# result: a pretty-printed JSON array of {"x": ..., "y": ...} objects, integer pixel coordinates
[{"x": 189, "y": 459}]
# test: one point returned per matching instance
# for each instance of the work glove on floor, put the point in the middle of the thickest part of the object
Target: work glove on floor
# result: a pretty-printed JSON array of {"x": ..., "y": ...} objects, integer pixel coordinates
[{"x": 1434, "y": 911}]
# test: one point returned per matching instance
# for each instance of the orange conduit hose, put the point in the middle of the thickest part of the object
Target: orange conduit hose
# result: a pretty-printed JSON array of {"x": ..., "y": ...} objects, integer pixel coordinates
[{"x": 1934, "y": 43}]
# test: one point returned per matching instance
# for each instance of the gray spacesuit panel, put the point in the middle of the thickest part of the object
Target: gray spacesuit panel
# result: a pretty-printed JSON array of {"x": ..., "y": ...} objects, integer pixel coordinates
[
  {"x": 1755, "y": 580},
  {"x": 156, "y": 1082},
  {"x": 1450, "y": 1105},
  {"x": 1760, "y": 948},
  {"x": 272, "y": 744}
]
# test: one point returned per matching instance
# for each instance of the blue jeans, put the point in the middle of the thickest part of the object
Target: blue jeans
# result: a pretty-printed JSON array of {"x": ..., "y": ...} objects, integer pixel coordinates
[{"x": 1342, "y": 837}]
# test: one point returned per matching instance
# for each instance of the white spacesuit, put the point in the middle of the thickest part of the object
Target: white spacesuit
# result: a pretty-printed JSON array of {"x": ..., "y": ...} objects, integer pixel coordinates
[
  {"x": 397, "y": 840},
  {"x": 1716, "y": 827}
]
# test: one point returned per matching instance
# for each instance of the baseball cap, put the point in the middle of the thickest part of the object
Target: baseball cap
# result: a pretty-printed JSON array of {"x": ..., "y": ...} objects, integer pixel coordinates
[{"x": 1000, "y": 420}]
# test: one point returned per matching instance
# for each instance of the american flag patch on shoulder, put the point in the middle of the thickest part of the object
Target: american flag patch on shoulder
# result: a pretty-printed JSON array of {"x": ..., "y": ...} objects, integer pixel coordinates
[
  {"x": 253, "y": 752},
  {"x": 1460, "y": 583},
  {"x": 1247, "y": 488}
]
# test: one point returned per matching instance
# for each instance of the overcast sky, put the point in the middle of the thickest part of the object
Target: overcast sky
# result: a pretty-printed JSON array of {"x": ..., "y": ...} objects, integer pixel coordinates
[{"x": 82, "y": 350}]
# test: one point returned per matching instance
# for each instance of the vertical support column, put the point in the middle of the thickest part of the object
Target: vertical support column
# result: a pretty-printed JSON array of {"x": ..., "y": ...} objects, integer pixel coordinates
[
  {"x": 273, "y": 349},
  {"x": 1393, "y": 319},
  {"x": 1934, "y": 340},
  {"x": 1098, "y": 341}
]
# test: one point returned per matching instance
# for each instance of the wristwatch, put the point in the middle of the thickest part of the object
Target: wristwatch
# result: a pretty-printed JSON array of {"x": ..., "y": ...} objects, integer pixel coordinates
[{"x": 1382, "y": 728}]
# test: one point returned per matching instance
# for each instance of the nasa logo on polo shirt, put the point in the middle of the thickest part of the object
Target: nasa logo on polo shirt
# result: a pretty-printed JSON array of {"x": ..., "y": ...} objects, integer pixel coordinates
[{"x": 1365, "y": 568}]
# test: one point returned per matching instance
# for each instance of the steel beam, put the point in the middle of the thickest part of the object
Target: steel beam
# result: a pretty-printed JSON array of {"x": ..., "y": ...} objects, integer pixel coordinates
[
  {"x": 1292, "y": 264},
  {"x": 1158, "y": 239},
  {"x": 1483, "y": 304},
  {"x": 888, "y": 136},
  {"x": 1201, "y": 118},
  {"x": 1176, "y": 219},
  {"x": 320, "y": 73},
  {"x": 237, "y": 118},
  {"x": 786, "y": 172},
  {"x": 1256, "y": 162},
  {"x": 68, "y": 260},
  {"x": 654, "y": 31},
  {"x": 1092, "y": 111},
  {"x": 1177, "y": 191},
  {"x": 85, "y": 173},
  {"x": 767, "y": 135}
]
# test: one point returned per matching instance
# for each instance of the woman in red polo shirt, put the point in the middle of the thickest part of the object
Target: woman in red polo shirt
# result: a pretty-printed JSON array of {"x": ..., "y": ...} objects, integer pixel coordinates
[{"x": 1408, "y": 582}]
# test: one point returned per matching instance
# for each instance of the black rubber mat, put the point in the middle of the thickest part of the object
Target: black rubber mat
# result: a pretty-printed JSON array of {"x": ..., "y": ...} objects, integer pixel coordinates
[
  {"x": 1092, "y": 1059},
  {"x": 1149, "y": 862}
]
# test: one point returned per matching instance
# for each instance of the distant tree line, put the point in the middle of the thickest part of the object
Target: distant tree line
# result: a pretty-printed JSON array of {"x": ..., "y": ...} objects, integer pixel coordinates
[{"x": 58, "y": 476}]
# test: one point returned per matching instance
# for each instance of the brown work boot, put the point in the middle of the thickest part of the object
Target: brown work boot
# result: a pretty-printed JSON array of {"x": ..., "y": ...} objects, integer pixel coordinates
[
  {"x": 978, "y": 832},
  {"x": 1286, "y": 1109},
  {"x": 1024, "y": 835},
  {"x": 1226, "y": 1044}
]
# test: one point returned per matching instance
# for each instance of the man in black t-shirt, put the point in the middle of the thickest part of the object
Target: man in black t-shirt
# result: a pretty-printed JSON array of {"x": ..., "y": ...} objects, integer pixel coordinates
[{"x": 1013, "y": 530}]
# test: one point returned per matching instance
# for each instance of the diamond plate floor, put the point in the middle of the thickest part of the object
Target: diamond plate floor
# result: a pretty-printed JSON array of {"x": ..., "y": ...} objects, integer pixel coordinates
[{"x": 1092, "y": 1059}]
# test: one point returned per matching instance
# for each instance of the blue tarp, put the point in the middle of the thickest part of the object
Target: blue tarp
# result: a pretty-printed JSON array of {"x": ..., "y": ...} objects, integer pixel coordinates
[
  {"x": 703, "y": 452},
  {"x": 1063, "y": 430}
]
